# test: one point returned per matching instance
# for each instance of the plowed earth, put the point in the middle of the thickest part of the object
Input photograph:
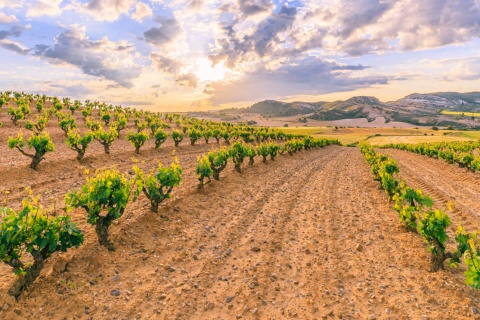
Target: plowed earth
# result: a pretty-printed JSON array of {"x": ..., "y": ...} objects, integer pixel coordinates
[{"x": 308, "y": 236}]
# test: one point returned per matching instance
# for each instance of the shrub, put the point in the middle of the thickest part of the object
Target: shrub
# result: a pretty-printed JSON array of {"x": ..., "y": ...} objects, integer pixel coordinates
[
  {"x": 34, "y": 231},
  {"x": 251, "y": 153},
  {"x": 238, "y": 153},
  {"x": 177, "y": 137},
  {"x": 38, "y": 126},
  {"x": 273, "y": 149},
  {"x": 263, "y": 150},
  {"x": 158, "y": 185},
  {"x": 79, "y": 143},
  {"x": 120, "y": 123},
  {"x": 105, "y": 198},
  {"x": 218, "y": 161},
  {"x": 74, "y": 107},
  {"x": 86, "y": 112},
  {"x": 67, "y": 124},
  {"x": 93, "y": 125},
  {"x": 106, "y": 138},
  {"x": 138, "y": 139},
  {"x": 41, "y": 143},
  {"x": 193, "y": 135},
  {"x": 106, "y": 117},
  {"x": 203, "y": 170},
  {"x": 160, "y": 137},
  {"x": 217, "y": 134},
  {"x": 207, "y": 134}
]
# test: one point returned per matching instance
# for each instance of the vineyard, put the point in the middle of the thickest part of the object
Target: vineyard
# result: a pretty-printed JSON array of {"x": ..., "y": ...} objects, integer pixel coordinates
[{"x": 111, "y": 212}]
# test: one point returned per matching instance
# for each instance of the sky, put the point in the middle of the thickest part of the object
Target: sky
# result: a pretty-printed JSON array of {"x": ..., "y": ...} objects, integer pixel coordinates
[{"x": 172, "y": 55}]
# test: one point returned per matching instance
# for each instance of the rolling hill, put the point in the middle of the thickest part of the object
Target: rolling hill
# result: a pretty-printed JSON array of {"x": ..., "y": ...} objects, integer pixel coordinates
[{"x": 418, "y": 109}]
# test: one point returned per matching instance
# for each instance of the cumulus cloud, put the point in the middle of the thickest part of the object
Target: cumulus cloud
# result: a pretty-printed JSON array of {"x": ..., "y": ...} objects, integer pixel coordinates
[
  {"x": 14, "y": 46},
  {"x": 101, "y": 58},
  {"x": 188, "y": 79},
  {"x": 268, "y": 30},
  {"x": 142, "y": 11},
  {"x": 298, "y": 76},
  {"x": 464, "y": 69},
  {"x": 45, "y": 8},
  {"x": 6, "y": 19},
  {"x": 10, "y": 4},
  {"x": 250, "y": 7},
  {"x": 168, "y": 30},
  {"x": 108, "y": 10},
  {"x": 195, "y": 4},
  {"x": 165, "y": 64},
  {"x": 364, "y": 26},
  {"x": 264, "y": 39},
  {"x": 14, "y": 31}
]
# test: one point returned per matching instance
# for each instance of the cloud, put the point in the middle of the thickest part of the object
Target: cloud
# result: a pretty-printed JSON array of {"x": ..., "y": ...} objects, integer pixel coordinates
[
  {"x": 45, "y": 8},
  {"x": 261, "y": 41},
  {"x": 14, "y": 31},
  {"x": 74, "y": 90},
  {"x": 142, "y": 11},
  {"x": 365, "y": 26},
  {"x": 108, "y": 10},
  {"x": 195, "y": 4},
  {"x": 14, "y": 46},
  {"x": 188, "y": 79},
  {"x": 267, "y": 31},
  {"x": 165, "y": 64},
  {"x": 308, "y": 75},
  {"x": 10, "y": 4},
  {"x": 353, "y": 15},
  {"x": 251, "y": 7},
  {"x": 6, "y": 19},
  {"x": 464, "y": 69},
  {"x": 101, "y": 58},
  {"x": 168, "y": 30}
]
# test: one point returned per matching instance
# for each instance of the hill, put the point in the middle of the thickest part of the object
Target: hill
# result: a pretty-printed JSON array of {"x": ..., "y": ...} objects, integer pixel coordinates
[
  {"x": 282, "y": 109},
  {"x": 416, "y": 108}
]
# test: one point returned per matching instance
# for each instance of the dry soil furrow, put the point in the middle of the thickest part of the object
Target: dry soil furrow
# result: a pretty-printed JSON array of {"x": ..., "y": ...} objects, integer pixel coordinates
[
  {"x": 245, "y": 229},
  {"x": 253, "y": 291}
]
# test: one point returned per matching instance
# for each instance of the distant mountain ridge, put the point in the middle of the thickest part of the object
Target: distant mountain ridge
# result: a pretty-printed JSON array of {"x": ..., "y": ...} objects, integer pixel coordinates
[{"x": 416, "y": 108}]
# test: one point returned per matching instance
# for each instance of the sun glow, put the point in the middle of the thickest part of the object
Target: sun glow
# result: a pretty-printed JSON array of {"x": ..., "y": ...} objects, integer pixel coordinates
[{"x": 205, "y": 71}]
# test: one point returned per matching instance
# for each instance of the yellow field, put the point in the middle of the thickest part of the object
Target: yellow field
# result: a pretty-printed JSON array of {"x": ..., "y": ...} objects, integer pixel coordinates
[
  {"x": 378, "y": 141},
  {"x": 459, "y": 113},
  {"x": 380, "y": 136}
]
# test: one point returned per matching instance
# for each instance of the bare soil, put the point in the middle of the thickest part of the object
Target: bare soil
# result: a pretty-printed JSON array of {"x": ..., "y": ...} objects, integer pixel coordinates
[{"x": 309, "y": 236}]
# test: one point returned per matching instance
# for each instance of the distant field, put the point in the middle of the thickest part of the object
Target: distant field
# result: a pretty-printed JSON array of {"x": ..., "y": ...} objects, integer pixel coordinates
[
  {"x": 379, "y": 136},
  {"x": 459, "y": 113}
]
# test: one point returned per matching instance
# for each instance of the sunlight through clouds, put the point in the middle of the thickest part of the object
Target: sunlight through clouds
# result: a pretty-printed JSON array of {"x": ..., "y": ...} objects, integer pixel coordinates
[{"x": 240, "y": 51}]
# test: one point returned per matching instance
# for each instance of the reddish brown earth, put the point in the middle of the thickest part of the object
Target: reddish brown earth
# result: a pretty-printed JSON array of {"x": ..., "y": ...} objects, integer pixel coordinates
[{"x": 308, "y": 236}]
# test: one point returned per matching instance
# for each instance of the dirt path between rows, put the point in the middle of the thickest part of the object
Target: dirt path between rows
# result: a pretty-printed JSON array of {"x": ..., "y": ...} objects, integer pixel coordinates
[{"x": 305, "y": 237}]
